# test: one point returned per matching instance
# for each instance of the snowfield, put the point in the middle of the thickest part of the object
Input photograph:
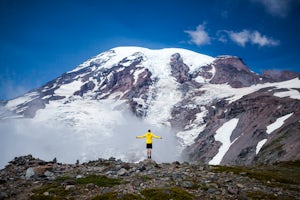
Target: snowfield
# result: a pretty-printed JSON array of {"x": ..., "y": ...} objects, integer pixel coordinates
[
  {"x": 68, "y": 90},
  {"x": 218, "y": 91},
  {"x": 223, "y": 135},
  {"x": 260, "y": 144},
  {"x": 278, "y": 123}
]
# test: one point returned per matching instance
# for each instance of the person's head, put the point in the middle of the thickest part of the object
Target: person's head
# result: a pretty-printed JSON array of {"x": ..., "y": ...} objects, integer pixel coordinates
[{"x": 149, "y": 130}]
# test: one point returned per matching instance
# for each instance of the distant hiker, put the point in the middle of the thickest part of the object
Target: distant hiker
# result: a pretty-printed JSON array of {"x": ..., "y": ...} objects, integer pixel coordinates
[{"x": 149, "y": 137}]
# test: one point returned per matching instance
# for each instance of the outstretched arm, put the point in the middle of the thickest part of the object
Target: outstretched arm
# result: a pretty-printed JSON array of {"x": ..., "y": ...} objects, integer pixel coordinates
[
  {"x": 156, "y": 136},
  {"x": 141, "y": 136}
]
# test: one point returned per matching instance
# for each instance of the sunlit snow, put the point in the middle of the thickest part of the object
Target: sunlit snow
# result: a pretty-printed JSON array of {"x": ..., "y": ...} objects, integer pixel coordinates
[
  {"x": 223, "y": 135},
  {"x": 187, "y": 137},
  {"x": 69, "y": 89},
  {"x": 218, "y": 91},
  {"x": 260, "y": 144},
  {"x": 19, "y": 100},
  {"x": 278, "y": 123},
  {"x": 294, "y": 94}
]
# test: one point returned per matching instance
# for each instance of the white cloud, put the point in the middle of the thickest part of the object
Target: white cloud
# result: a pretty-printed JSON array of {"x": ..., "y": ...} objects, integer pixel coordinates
[
  {"x": 241, "y": 38},
  {"x": 199, "y": 36},
  {"x": 253, "y": 37},
  {"x": 279, "y": 8},
  {"x": 262, "y": 40}
]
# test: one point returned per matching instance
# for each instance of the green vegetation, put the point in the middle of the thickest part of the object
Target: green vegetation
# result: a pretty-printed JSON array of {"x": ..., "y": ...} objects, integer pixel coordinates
[
  {"x": 115, "y": 196},
  {"x": 259, "y": 195},
  {"x": 101, "y": 181},
  {"x": 277, "y": 175},
  {"x": 146, "y": 178},
  {"x": 63, "y": 178},
  {"x": 55, "y": 191},
  {"x": 149, "y": 194},
  {"x": 168, "y": 193}
]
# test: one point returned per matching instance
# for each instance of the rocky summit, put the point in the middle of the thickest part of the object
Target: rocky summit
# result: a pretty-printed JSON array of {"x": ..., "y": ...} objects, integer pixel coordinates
[{"x": 27, "y": 177}]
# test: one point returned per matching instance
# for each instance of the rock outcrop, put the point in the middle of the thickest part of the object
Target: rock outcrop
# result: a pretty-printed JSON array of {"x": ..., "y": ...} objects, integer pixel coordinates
[
  {"x": 276, "y": 75},
  {"x": 254, "y": 111},
  {"x": 30, "y": 178},
  {"x": 233, "y": 71}
]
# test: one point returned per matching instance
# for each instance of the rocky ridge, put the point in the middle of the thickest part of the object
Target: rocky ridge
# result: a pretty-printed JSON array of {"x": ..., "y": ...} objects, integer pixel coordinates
[
  {"x": 27, "y": 177},
  {"x": 254, "y": 111}
]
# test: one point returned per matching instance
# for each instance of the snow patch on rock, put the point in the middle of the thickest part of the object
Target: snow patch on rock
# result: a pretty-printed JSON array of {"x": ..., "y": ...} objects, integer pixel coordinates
[
  {"x": 278, "y": 123},
  {"x": 223, "y": 135}
]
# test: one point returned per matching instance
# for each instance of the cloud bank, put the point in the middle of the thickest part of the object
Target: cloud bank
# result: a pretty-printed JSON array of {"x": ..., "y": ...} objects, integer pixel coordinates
[
  {"x": 26, "y": 136},
  {"x": 201, "y": 37}
]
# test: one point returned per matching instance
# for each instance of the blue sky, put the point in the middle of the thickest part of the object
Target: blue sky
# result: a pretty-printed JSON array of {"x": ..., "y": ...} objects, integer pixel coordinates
[{"x": 41, "y": 39}]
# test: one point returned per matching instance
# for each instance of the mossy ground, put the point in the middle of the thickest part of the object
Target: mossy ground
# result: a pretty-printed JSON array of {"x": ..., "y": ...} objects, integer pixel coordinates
[
  {"x": 57, "y": 191},
  {"x": 116, "y": 196},
  {"x": 168, "y": 193},
  {"x": 281, "y": 174},
  {"x": 264, "y": 196},
  {"x": 101, "y": 181}
]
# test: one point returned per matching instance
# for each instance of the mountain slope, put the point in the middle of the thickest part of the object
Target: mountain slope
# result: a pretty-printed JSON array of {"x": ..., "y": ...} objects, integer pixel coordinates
[{"x": 184, "y": 96}]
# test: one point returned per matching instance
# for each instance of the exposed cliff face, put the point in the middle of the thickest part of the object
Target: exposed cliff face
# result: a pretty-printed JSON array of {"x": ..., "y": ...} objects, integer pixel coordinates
[
  {"x": 254, "y": 111},
  {"x": 276, "y": 75},
  {"x": 233, "y": 71}
]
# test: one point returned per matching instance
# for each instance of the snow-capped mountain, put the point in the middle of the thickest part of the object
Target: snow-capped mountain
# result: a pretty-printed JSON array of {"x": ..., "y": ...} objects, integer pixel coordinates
[{"x": 214, "y": 110}]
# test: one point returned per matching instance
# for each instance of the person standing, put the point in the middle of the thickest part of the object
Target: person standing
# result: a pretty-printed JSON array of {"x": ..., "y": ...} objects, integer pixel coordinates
[{"x": 149, "y": 137}]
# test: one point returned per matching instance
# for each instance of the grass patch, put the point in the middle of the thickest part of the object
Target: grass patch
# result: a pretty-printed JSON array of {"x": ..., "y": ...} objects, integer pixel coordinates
[
  {"x": 55, "y": 191},
  {"x": 168, "y": 193},
  {"x": 63, "y": 178},
  {"x": 101, "y": 181},
  {"x": 148, "y": 194},
  {"x": 146, "y": 178},
  {"x": 115, "y": 196},
  {"x": 289, "y": 164},
  {"x": 261, "y": 195},
  {"x": 43, "y": 197},
  {"x": 277, "y": 175}
]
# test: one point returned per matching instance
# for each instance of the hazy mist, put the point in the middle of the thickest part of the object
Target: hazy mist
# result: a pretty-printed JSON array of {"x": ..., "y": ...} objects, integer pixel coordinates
[{"x": 26, "y": 136}]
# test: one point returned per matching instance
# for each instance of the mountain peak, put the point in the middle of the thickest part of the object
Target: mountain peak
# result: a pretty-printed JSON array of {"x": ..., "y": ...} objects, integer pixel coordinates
[
  {"x": 232, "y": 70},
  {"x": 183, "y": 95},
  {"x": 155, "y": 58}
]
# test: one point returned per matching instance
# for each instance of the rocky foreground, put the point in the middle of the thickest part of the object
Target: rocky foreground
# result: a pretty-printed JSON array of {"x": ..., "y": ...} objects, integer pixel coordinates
[{"x": 30, "y": 178}]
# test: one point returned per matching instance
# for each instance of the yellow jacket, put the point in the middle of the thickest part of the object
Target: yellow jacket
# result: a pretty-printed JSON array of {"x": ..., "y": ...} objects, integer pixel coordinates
[{"x": 148, "y": 137}]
